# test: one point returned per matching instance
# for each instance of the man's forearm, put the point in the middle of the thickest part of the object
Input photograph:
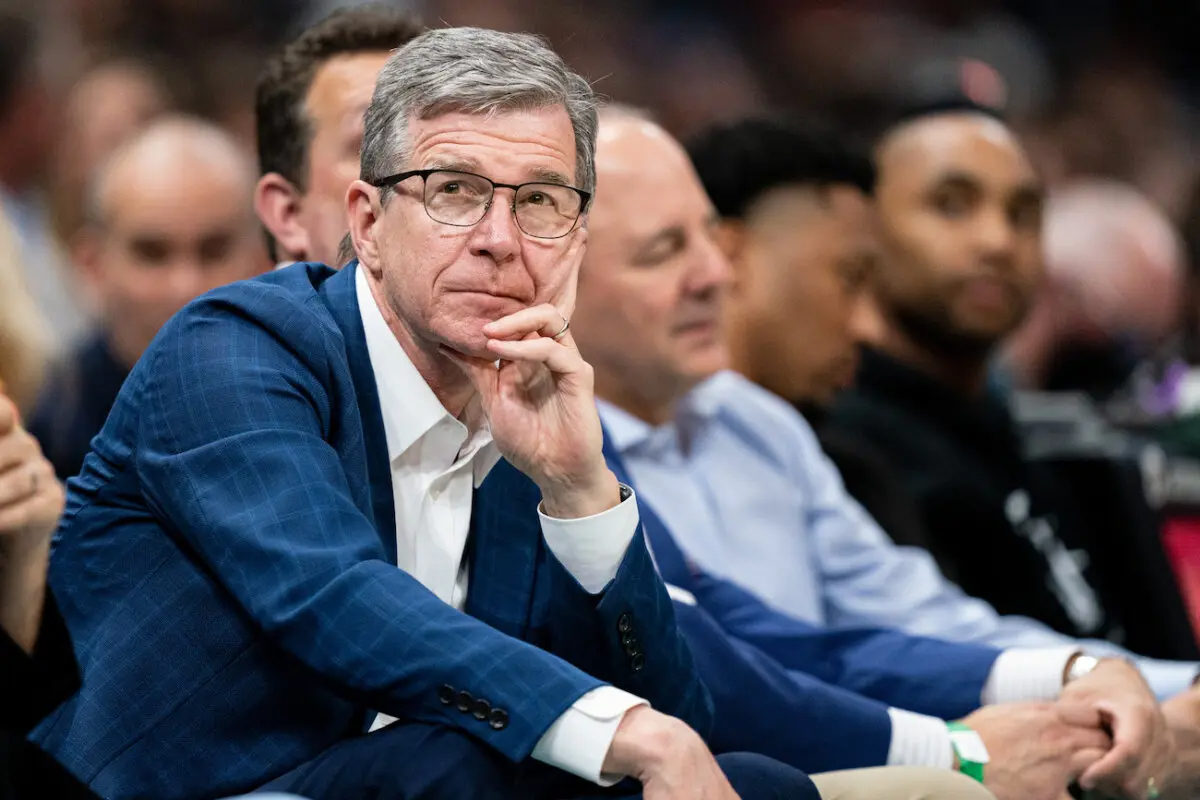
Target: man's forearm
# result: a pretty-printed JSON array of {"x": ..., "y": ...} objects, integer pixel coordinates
[{"x": 23, "y": 590}]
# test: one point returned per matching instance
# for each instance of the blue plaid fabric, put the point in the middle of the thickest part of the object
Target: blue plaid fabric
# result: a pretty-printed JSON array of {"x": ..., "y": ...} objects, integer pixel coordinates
[{"x": 226, "y": 567}]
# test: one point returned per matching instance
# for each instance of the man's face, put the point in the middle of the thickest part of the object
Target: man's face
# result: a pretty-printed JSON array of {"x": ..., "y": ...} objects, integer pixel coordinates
[
  {"x": 164, "y": 243},
  {"x": 340, "y": 93},
  {"x": 443, "y": 282},
  {"x": 654, "y": 280},
  {"x": 961, "y": 220},
  {"x": 803, "y": 300}
]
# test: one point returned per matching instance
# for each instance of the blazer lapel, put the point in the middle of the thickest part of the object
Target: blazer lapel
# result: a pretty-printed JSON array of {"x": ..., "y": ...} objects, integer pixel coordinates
[
  {"x": 342, "y": 301},
  {"x": 504, "y": 551}
]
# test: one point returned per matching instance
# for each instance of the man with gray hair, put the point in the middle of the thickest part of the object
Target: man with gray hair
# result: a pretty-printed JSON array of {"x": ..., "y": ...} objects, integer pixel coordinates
[{"x": 332, "y": 502}]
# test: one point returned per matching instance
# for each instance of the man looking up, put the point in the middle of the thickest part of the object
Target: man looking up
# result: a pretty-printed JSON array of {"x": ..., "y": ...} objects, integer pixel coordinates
[
  {"x": 168, "y": 218},
  {"x": 309, "y": 111},
  {"x": 329, "y": 496}
]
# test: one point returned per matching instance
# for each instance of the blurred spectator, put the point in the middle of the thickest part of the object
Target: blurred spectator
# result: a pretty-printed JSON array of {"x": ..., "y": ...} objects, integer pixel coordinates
[
  {"x": 29, "y": 121},
  {"x": 1110, "y": 296},
  {"x": 23, "y": 335},
  {"x": 109, "y": 103},
  {"x": 960, "y": 211},
  {"x": 309, "y": 113},
  {"x": 169, "y": 217}
]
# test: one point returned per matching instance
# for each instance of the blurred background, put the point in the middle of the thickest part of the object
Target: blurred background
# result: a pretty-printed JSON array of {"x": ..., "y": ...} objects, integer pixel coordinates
[{"x": 1106, "y": 94}]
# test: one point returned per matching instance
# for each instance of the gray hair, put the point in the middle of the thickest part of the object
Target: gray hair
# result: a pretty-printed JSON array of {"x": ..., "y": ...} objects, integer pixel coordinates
[{"x": 475, "y": 71}]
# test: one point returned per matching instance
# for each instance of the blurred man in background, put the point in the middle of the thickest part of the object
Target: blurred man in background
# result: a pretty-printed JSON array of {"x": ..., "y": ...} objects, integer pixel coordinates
[
  {"x": 1115, "y": 269},
  {"x": 309, "y": 112},
  {"x": 169, "y": 217},
  {"x": 30, "y": 99}
]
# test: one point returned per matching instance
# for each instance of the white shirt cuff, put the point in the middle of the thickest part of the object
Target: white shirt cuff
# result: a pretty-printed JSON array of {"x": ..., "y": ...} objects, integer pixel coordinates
[
  {"x": 919, "y": 741},
  {"x": 1023, "y": 675},
  {"x": 579, "y": 740},
  {"x": 591, "y": 548}
]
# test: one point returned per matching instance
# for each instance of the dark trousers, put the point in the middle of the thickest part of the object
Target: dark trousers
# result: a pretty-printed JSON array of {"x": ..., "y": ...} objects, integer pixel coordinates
[{"x": 425, "y": 762}]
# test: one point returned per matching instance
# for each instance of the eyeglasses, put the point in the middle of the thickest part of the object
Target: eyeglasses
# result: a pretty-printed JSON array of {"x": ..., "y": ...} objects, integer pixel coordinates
[{"x": 542, "y": 210}]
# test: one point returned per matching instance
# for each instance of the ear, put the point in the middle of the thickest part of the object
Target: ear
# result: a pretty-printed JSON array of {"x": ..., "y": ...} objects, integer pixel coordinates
[
  {"x": 277, "y": 203},
  {"x": 85, "y": 249},
  {"x": 731, "y": 238},
  {"x": 363, "y": 212}
]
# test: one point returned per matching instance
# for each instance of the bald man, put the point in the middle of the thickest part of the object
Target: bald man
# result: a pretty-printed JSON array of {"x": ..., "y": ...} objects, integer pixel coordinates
[
  {"x": 1114, "y": 276},
  {"x": 169, "y": 217}
]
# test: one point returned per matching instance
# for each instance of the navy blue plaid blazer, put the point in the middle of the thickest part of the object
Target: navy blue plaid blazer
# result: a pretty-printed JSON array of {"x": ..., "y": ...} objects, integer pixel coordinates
[{"x": 226, "y": 567}]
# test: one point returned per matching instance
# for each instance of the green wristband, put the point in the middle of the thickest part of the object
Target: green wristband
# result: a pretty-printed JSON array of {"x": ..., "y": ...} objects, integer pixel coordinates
[{"x": 972, "y": 755}]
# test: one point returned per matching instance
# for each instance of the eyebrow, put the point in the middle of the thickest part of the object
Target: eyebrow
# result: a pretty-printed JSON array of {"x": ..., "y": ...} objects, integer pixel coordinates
[
  {"x": 673, "y": 235},
  {"x": 1025, "y": 192},
  {"x": 467, "y": 164}
]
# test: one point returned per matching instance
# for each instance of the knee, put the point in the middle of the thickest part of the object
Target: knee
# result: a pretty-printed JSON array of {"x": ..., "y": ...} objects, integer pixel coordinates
[
  {"x": 757, "y": 777},
  {"x": 928, "y": 783}
]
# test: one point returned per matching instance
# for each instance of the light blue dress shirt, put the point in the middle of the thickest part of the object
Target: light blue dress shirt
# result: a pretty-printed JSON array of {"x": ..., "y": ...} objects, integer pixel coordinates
[{"x": 747, "y": 492}]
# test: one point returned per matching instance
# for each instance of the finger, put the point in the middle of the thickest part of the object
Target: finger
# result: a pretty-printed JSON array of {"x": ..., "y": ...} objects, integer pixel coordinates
[
  {"x": 1082, "y": 760},
  {"x": 544, "y": 320},
  {"x": 8, "y": 415},
  {"x": 559, "y": 359},
  {"x": 42, "y": 510},
  {"x": 16, "y": 448},
  {"x": 1131, "y": 740},
  {"x": 564, "y": 299},
  {"x": 1080, "y": 715},
  {"x": 23, "y": 481}
]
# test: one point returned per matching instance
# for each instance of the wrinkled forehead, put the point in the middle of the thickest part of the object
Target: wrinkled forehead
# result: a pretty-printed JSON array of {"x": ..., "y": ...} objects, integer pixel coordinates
[{"x": 535, "y": 144}]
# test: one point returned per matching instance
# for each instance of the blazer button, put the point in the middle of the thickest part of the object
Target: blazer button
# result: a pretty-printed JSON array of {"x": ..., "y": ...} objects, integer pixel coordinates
[
  {"x": 625, "y": 623},
  {"x": 464, "y": 701},
  {"x": 634, "y": 648},
  {"x": 481, "y": 709},
  {"x": 446, "y": 694},
  {"x": 628, "y": 640},
  {"x": 498, "y": 719},
  {"x": 637, "y": 663}
]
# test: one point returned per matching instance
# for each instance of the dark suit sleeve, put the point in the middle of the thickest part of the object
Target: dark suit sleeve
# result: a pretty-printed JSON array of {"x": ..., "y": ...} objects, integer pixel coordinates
[
  {"x": 762, "y": 707},
  {"x": 233, "y": 456},
  {"x": 34, "y": 685},
  {"x": 927, "y": 676},
  {"x": 642, "y": 650}
]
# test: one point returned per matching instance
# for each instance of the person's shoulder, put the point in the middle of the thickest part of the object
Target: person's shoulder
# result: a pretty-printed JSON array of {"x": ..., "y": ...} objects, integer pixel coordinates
[{"x": 755, "y": 412}]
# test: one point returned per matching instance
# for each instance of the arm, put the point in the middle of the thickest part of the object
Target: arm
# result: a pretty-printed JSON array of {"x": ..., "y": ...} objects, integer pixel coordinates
[{"x": 233, "y": 458}]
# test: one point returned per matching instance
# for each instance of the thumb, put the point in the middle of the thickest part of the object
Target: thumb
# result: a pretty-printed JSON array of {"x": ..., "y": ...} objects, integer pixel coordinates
[
  {"x": 9, "y": 416},
  {"x": 1082, "y": 760}
]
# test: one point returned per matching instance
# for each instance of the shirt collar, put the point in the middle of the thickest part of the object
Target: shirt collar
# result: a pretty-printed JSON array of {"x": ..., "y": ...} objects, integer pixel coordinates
[
  {"x": 692, "y": 414},
  {"x": 409, "y": 407}
]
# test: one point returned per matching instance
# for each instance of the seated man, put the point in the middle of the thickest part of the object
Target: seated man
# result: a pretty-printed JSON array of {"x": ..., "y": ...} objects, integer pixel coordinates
[
  {"x": 324, "y": 497},
  {"x": 817, "y": 674},
  {"x": 649, "y": 317},
  {"x": 169, "y": 217}
]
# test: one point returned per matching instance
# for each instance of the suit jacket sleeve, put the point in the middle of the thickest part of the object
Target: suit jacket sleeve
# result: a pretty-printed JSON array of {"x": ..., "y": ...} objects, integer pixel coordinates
[
  {"x": 791, "y": 716},
  {"x": 34, "y": 685},
  {"x": 234, "y": 460},
  {"x": 927, "y": 676}
]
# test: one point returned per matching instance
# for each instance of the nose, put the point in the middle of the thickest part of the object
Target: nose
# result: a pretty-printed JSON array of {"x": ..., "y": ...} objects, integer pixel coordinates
[
  {"x": 711, "y": 271},
  {"x": 996, "y": 237},
  {"x": 497, "y": 234},
  {"x": 866, "y": 319}
]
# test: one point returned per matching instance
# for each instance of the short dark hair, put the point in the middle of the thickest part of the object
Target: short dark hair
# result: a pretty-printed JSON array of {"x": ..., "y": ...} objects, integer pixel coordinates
[
  {"x": 284, "y": 130},
  {"x": 19, "y": 47},
  {"x": 738, "y": 162}
]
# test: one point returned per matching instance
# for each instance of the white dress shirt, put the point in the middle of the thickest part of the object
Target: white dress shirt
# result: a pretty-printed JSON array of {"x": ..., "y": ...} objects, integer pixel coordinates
[{"x": 437, "y": 462}]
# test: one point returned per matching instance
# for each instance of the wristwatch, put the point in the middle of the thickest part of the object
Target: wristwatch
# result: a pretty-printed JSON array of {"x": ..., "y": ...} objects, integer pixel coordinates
[
  {"x": 1079, "y": 666},
  {"x": 969, "y": 747}
]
